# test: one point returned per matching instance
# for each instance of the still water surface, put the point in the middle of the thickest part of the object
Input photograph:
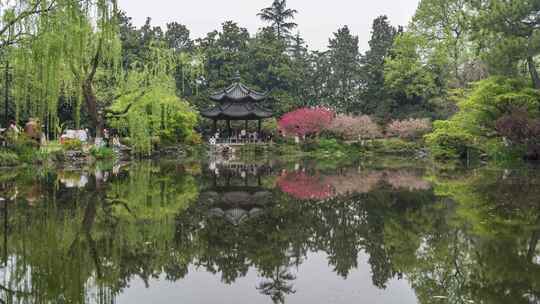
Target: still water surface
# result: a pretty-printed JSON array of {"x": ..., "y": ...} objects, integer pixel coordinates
[{"x": 270, "y": 232}]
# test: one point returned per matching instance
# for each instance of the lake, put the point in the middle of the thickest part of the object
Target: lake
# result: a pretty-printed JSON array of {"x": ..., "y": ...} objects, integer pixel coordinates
[{"x": 270, "y": 231}]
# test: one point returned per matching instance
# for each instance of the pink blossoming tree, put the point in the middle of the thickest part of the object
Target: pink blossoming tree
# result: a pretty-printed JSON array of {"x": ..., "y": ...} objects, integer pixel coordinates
[
  {"x": 355, "y": 127},
  {"x": 305, "y": 121},
  {"x": 409, "y": 129}
]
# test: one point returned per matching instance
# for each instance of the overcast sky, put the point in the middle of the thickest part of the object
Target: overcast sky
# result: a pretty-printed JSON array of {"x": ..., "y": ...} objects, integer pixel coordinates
[{"x": 317, "y": 19}]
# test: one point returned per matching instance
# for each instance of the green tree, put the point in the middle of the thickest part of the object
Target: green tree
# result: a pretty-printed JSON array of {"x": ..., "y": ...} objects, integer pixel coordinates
[
  {"x": 17, "y": 18},
  {"x": 269, "y": 68},
  {"x": 408, "y": 77},
  {"x": 510, "y": 29},
  {"x": 178, "y": 37},
  {"x": 224, "y": 52},
  {"x": 446, "y": 24},
  {"x": 279, "y": 15},
  {"x": 148, "y": 106},
  {"x": 375, "y": 98},
  {"x": 71, "y": 45},
  {"x": 343, "y": 56},
  {"x": 131, "y": 41},
  {"x": 319, "y": 75},
  {"x": 300, "y": 57}
]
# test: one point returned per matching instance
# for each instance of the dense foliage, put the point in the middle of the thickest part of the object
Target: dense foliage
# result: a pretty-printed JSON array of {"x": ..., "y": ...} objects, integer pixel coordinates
[
  {"x": 305, "y": 121},
  {"x": 482, "y": 120},
  {"x": 83, "y": 64},
  {"x": 409, "y": 128},
  {"x": 350, "y": 127},
  {"x": 446, "y": 233}
]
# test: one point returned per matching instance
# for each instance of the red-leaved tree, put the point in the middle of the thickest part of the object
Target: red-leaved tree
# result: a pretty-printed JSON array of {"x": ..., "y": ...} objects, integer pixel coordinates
[
  {"x": 305, "y": 122},
  {"x": 520, "y": 128}
]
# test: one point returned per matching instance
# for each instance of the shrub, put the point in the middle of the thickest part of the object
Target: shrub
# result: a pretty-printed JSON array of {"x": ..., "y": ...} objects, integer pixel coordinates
[
  {"x": 194, "y": 139},
  {"x": 8, "y": 159},
  {"x": 493, "y": 98},
  {"x": 306, "y": 121},
  {"x": 409, "y": 128},
  {"x": 329, "y": 145},
  {"x": 485, "y": 116},
  {"x": 156, "y": 111},
  {"x": 72, "y": 144},
  {"x": 448, "y": 140},
  {"x": 179, "y": 126},
  {"x": 102, "y": 153},
  {"x": 521, "y": 129},
  {"x": 270, "y": 126},
  {"x": 24, "y": 147},
  {"x": 355, "y": 127},
  {"x": 395, "y": 146},
  {"x": 406, "y": 180}
]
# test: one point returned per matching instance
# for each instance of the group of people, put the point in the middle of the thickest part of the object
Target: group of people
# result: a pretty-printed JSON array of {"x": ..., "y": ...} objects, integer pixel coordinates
[
  {"x": 241, "y": 136},
  {"x": 84, "y": 137},
  {"x": 32, "y": 129}
]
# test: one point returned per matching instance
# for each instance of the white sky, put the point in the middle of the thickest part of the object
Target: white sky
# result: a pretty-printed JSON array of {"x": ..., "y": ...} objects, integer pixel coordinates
[{"x": 317, "y": 19}]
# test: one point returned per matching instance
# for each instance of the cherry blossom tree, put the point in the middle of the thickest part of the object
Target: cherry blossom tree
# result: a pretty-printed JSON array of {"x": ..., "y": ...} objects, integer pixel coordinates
[
  {"x": 306, "y": 121},
  {"x": 355, "y": 127},
  {"x": 409, "y": 129}
]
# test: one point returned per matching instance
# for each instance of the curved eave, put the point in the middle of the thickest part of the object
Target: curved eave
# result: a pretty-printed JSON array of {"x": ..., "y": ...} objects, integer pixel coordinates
[
  {"x": 226, "y": 98},
  {"x": 233, "y": 111},
  {"x": 222, "y": 116},
  {"x": 238, "y": 92}
]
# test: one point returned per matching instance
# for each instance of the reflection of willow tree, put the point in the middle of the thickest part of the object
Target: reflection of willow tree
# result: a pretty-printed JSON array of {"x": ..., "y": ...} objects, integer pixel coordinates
[
  {"x": 86, "y": 248},
  {"x": 488, "y": 252},
  {"x": 472, "y": 238}
]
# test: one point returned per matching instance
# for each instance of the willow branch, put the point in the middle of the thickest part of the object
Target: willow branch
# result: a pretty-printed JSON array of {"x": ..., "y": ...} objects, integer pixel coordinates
[
  {"x": 95, "y": 60},
  {"x": 15, "y": 292},
  {"x": 34, "y": 10}
]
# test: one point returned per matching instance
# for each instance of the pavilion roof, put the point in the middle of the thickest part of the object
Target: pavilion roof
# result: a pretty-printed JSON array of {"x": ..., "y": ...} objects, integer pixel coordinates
[
  {"x": 238, "y": 92},
  {"x": 237, "y": 111},
  {"x": 238, "y": 102}
]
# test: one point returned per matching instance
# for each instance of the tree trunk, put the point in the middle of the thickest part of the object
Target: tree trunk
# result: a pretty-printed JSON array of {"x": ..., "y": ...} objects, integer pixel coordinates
[
  {"x": 6, "y": 96},
  {"x": 91, "y": 103},
  {"x": 90, "y": 97},
  {"x": 534, "y": 72}
]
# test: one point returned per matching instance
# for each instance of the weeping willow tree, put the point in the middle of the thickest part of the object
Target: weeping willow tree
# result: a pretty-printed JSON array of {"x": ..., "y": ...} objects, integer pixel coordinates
[
  {"x": 149, "y": 109},
  {"x": 190, "y": 67},
  {"x": 16, "y": 15},
  {"x": 70, "y": 42}
]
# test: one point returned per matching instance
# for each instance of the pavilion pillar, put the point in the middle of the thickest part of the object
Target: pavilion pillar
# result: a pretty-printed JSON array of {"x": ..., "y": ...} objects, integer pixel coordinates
[
  {"x": 246, "y": 126},
  {"x": 259, "y": 127},
  {"x": 214, "y": 131},
  {"x": 229, "y": 129}
]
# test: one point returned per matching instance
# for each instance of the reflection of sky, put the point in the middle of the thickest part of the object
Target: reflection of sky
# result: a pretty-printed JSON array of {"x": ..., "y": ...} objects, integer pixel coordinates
[{"x": 316, "y": 282}]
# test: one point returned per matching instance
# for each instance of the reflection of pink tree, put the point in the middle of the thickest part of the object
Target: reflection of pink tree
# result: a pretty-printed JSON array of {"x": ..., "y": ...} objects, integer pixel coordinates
[
  {"x": 304, "y": 187},
  {"x": 354, "y": 182},
  {"x": 406, "y": 180}
]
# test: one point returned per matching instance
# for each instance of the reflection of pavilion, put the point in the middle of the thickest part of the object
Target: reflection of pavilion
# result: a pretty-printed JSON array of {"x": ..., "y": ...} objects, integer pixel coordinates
[
  {"x": 237, "y": 193},
  {"x": 237, "y": 205}
]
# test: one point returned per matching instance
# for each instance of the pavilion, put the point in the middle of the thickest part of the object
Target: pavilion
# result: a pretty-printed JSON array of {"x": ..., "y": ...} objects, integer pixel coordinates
[{"x": 237, "y": 103}]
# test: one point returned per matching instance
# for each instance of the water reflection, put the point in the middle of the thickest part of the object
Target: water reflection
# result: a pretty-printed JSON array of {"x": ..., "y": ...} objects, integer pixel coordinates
[{"x": 84, "y": 236}]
